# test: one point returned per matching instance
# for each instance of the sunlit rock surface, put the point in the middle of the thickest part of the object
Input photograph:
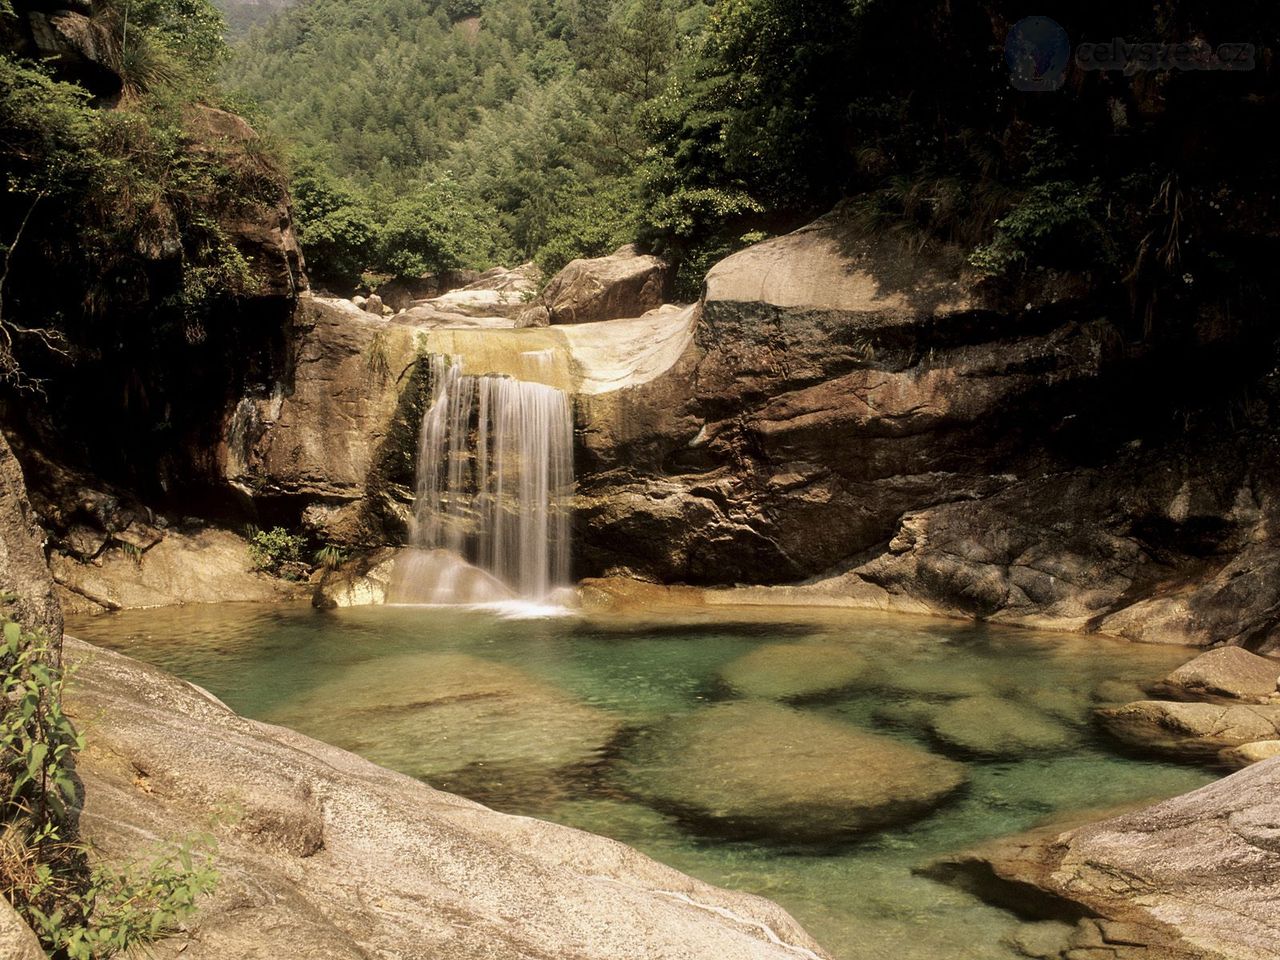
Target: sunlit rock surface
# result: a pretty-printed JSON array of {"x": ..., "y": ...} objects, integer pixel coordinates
[
  {"x": 17, "y": 942},
  {"x": 1192, "y": 730},
  {"x": 1227, "y": 673},
  {"x": 1193, "y": 878},
  {"x": 624, "y": 284},
  {"x": 200, "y": 565},
  {"x": 323, "y": 855},
  {"x": 23, "y": 573}
]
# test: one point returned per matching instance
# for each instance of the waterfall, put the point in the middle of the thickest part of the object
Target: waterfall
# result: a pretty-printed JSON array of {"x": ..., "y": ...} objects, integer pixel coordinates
[{"x": 494, "y": 479}]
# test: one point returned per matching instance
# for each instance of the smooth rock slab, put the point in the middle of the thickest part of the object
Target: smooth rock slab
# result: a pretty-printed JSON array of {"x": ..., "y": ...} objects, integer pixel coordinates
[
  {"x": 795, "y": 671},
  {"x": 1190, "y": 730},
  {"x": 752, "y": 768},
  {"x": 997, "y": 728},
  {"x": 1250, "y": 753},
  {"x": 431, "y": 713},
  {"x": 1226, "y": 673},
  {"x": 390, "y": 868}
]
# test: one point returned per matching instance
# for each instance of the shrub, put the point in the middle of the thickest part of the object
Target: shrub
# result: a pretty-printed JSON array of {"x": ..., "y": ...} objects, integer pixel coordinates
[
  {"x": 120, "y": 910},
  {"x": 278, "y": 552},
  {"x": 77, "y": 913}
]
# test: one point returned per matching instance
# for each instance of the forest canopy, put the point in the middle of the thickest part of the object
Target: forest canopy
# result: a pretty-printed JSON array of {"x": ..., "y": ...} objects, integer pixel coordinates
[{"x": 562, "y": 128}]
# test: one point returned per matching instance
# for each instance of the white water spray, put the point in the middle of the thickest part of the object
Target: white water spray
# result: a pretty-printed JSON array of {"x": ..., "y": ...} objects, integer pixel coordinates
[{"x": 494, "y": 481}]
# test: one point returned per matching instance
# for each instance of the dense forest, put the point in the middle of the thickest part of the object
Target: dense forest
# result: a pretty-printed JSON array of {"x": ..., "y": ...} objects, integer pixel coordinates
[{"x": 501, "y": 130}]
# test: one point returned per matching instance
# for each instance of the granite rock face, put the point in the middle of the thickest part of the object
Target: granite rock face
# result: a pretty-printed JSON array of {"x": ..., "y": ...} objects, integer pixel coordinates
[
  {"x": 17, "y": 942},
  {"x": 1191, "y": 730},
  {"x": 324, "y": 855},
  {"x": 23, "y": 572},
  {"x": 869, "y": 425},
  {"x": 1227, "y": 673},
  {"x": 1193, "y": 878},
  {"x": 264, "y": 234}
]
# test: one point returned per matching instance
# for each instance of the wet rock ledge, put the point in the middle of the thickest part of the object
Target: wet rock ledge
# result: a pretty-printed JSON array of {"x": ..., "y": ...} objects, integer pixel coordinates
[{"x": 324, "y": 855}]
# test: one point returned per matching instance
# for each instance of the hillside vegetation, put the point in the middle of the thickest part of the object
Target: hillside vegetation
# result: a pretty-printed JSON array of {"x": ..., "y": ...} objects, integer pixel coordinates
[{"x": 469, "y": 131}]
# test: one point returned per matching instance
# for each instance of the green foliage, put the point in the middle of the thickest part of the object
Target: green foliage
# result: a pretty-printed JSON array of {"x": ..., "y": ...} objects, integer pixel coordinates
[
  {"x": 590, "y": 222},
  {"x": 37, "y": 740},
  {"x": 462, "y": 143},
  {"x": 1055, "y": 223},
  {"x": 335, "y": 221},
  {"x": 118, "y": 911},
  {"x": 433, "y": 228},
  {"x": 330, "y": 557},
  {"x": 278, "y": 552},
  {"x": 78, "y": 915}
]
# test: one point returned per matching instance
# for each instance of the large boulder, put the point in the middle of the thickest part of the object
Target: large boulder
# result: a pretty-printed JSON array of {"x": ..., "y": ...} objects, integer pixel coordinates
[
  {"x": 1190, "y": 730},
  {"x": 1249, "y": 753},
  {"x": 754, "y": 768},
  {"x": 24, "y": 574},
  {"x": 81, "y": 47},
  {"x": 624, "y": 284},
  {"x": 322, "y": 854},
  {"x": 1193, "y": 878},
  {"x": 497, "y": 293},
  {"x": 1228, "y": 673}
]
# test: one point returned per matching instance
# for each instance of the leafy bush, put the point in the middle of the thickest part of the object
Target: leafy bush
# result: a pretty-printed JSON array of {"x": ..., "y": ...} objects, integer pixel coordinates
[
  {"x": 37, "y": 740},
  {"x": 278, "y": 552},
  {"x": 1055, "y": 224},
  {"x": 77, "y": 913},
  {"x": 120, "y": 910}
]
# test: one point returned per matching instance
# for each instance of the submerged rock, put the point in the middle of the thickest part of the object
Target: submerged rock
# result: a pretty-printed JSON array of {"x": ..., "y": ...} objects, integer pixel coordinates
[
  {"x": 432, "y": 713},
  {"x": 755, "y": 768},
  {"x": 1226, "y": 673},
  {"x": 997, "y": 728},
  {"x": 1190, "y": 730},
  {"x": 321, "y": 854},
  {"x": 795, "y": 671}
]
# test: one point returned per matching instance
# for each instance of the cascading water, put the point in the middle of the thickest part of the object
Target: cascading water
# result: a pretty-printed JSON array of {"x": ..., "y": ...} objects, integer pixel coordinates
[{"x": 494, "y": 480}]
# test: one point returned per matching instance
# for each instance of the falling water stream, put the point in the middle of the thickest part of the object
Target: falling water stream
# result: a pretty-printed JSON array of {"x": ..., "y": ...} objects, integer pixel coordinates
[{"x": 495, "y": 474}]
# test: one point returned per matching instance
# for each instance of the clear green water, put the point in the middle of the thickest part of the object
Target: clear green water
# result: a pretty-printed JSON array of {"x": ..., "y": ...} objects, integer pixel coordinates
[{"x": 535, "y": 717}]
